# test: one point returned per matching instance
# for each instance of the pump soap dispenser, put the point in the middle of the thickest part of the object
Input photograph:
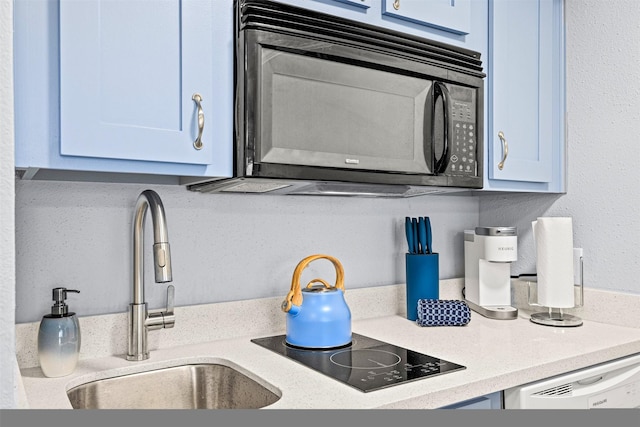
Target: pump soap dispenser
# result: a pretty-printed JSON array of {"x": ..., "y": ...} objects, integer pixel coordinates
[{"x": 59, "y": 337}]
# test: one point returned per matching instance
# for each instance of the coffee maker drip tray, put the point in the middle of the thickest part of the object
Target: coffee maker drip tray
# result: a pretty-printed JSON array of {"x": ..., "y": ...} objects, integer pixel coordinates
[{"x": 366, "y": 364}]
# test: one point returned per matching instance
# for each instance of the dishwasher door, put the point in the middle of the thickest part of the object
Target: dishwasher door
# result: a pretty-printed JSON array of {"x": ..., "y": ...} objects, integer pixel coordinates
[{"x": 614, "y": 384}]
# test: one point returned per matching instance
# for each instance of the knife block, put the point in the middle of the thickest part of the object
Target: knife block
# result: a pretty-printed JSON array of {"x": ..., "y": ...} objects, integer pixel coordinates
[{"x": 423, "y": 280}]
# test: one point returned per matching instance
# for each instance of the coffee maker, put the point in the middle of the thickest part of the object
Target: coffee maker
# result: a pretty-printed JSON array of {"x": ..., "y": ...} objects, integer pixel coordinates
[{"x": 488, "y": 253}]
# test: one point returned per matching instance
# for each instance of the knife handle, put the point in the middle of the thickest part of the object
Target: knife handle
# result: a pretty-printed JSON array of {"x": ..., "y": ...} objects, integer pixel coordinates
[
  {"x": 429, "y": 235},
  {"x": 414, "y": 225},
  {"x": 422, "y": 236},
  {"x": 408, "y": 229}
]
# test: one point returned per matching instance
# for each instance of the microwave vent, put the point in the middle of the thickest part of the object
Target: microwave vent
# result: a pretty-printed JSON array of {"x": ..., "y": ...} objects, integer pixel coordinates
[
  {"x": 254, "y": 187},
  {"x": 314, "y": 188},
  {"x": 251, "y": 186},
  {"x": 362, "y": 190}
]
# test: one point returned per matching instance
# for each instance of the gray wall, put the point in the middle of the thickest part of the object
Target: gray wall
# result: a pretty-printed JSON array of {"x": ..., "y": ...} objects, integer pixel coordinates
[
  {"x": 603, "y": 104},
  {"x": 224, "y": 247},
  {"x": 7, "y": 235}
]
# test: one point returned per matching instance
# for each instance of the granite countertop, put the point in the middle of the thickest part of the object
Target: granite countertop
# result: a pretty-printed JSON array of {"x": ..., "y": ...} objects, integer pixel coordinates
[{"x": 497, "y": 354}]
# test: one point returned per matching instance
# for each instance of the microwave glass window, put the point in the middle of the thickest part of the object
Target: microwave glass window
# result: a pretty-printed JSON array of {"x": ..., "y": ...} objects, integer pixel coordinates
[{"x": 340, "y": 115}]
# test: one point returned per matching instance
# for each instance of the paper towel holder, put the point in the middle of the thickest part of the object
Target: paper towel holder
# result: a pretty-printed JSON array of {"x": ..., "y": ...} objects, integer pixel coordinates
[{"x": 555, "y": 316}]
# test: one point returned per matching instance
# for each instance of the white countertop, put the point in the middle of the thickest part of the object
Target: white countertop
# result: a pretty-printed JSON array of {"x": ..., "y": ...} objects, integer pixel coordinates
[{"x": 498, "y": 354}]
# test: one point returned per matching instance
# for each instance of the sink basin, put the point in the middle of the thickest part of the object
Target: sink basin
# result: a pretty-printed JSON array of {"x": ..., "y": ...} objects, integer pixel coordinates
[{"x": 196, "y": 386}]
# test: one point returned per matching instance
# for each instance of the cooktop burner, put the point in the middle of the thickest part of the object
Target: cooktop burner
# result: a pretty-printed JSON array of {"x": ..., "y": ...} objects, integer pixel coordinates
[{"x": 367, "y": 364}]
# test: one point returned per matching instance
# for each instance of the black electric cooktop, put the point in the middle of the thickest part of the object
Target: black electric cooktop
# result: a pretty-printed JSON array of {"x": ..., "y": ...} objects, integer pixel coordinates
[{"x": 366, "y": 364}]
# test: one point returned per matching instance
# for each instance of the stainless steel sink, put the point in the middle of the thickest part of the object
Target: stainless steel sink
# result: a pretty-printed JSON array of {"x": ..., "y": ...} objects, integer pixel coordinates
[{"x": 196, "y": 386}]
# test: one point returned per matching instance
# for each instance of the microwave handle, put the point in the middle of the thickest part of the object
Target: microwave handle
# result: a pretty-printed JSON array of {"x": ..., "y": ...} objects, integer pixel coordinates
[{"x": 439, "y": 89}]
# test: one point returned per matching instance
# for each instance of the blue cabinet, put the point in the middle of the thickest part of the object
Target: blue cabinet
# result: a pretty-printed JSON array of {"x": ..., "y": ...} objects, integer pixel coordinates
[
  {"x": 525, "y": 96},
  {"x": 489, "y": 401},
  {"x": 358, "y": 3},
  {"x": 110, "y": 86},
  {"x": 447, "y": 15},
  {"x": 461, "y": 22}
]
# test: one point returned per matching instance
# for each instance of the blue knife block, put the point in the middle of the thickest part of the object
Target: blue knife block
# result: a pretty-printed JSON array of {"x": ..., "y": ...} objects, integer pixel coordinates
[{"x": 422, "y": 280}]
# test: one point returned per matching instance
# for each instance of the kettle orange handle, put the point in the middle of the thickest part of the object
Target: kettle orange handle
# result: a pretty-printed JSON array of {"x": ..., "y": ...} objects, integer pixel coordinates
[{"x": 295, "y": 294}]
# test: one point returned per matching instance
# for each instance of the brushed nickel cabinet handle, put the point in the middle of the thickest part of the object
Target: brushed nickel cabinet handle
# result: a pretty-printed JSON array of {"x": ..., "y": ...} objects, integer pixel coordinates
[
  {"x": 505, "y": 149},
  {"x": 197, "y": 144},
  {"x": 396, "y": 4}
]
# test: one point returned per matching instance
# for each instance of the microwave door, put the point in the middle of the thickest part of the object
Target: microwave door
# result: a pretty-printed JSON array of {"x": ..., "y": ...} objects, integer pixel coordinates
[{"x": 438, "y": 127}]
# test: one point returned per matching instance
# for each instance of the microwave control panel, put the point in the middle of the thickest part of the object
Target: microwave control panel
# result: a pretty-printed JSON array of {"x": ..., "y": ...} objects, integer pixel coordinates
[{"x": 463, "y": 142}]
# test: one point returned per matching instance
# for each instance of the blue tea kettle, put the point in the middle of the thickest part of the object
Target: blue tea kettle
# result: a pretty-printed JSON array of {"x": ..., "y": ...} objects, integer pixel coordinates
[{"x": 318, "y": 315}]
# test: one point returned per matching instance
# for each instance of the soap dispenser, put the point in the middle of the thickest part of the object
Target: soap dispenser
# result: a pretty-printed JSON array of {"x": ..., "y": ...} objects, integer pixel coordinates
[{"x": 59, "y": 337}]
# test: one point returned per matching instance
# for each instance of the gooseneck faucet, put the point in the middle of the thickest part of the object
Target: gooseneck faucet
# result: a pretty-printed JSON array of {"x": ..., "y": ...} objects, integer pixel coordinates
[{"x": 141, "y": 320}]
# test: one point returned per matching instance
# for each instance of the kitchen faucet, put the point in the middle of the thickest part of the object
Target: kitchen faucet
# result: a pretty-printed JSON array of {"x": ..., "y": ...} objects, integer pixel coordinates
[{"x": 141, "y": 320}]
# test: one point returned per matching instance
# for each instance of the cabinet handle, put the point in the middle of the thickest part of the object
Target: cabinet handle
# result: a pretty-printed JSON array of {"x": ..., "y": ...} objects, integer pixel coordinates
[
  {"x": 396, "y": 4},
  {"x": 197, "y": 144},
  {"x": 505, "y": 149}
]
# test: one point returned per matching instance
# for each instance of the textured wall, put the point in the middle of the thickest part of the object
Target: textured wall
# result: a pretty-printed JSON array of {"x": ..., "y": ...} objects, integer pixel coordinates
[
  {"x": 603, "y": 103},
  {"x": 7, "y": 236},
  {"x": 224, "y": 247}
]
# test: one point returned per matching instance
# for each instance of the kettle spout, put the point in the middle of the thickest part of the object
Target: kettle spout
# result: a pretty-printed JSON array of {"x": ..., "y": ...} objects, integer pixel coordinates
[
  {"x": 294, "y": 310},
  {"x": 290, "y": 308}
]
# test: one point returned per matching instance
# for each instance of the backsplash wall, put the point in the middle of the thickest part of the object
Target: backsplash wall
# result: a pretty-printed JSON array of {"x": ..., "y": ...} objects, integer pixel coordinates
[{"x": 224, "y": 247}]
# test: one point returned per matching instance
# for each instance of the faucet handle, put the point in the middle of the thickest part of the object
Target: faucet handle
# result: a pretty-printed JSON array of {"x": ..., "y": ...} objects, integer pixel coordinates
[
  {"x": 158, "y": 319},
  {"x": 171, "y": 295}
]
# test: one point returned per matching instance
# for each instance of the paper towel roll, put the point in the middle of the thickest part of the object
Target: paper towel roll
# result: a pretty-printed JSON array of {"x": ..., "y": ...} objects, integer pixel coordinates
[{"x": 553, "y": 239}]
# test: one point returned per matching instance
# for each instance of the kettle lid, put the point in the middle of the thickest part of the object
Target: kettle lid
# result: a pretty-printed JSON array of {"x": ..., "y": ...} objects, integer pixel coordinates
[{"x": 318, "y": 287}]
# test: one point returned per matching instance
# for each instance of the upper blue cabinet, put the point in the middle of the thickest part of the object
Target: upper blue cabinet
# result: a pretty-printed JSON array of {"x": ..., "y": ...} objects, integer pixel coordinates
[
  {"x": 525, "y": 103},
  {"x": 128, "y": 74},
  {"x": 358, "y": 3},
  {"x": 142, "y": 87},
  {"x": 449, "y": 15},
  {"x": 461, "y": 22}
]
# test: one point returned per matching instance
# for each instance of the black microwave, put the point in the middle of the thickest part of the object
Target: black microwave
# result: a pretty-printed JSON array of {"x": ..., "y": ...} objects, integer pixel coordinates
[{"x": 325, "y": 105}]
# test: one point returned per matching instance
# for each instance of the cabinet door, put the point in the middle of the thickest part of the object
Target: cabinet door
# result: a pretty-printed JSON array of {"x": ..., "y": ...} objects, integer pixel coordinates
[
  {"x": 489, "y": 401},
  {"x": 128, "y": 71},
  {"x": 522, "y": 103},
  {"x": 366, "y": 4},
  {"x": 449, "y": 15}
]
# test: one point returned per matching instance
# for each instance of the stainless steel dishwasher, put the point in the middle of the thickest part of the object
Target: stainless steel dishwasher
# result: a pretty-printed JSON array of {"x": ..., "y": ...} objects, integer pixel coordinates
[{"x": 614, "y": 384}]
